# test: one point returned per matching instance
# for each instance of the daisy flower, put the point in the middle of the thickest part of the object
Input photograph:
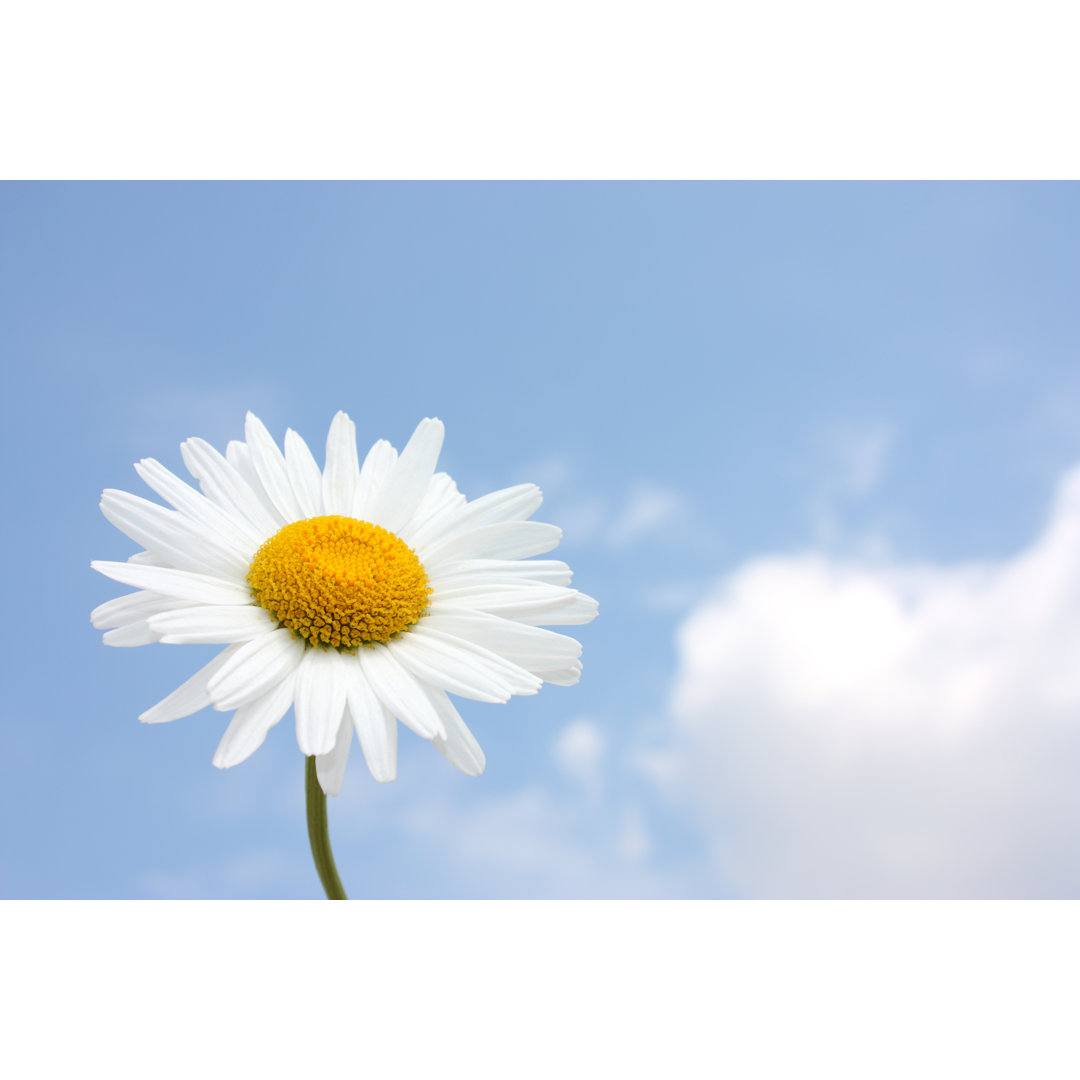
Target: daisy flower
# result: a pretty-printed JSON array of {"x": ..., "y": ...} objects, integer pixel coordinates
[{"x": 358, "y": 594}]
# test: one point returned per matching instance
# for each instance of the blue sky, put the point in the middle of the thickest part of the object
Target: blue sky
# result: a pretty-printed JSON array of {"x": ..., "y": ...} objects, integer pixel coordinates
[{"x": 804, "y": 440}]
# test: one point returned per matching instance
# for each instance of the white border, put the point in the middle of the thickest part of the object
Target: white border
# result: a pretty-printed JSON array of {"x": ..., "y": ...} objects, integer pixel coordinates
[
  {"x": 577, "y": 89},
  {"x": 541, "y": 989}
]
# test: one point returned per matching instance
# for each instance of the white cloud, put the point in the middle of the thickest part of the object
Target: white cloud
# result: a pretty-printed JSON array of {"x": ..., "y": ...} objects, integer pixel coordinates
[{"x": 894, "y": 730}]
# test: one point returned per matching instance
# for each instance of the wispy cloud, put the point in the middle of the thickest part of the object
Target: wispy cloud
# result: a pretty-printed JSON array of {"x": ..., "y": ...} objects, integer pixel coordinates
[
  {"x": 846, "y": 464},
  {"x": 574, "y": 830},
  {"x": 579, "y": 752},
  {"x": 536, "y": 842},
  {"x": 552, "y": 472},
  {"x": 671, "y": 595},
  {"x": 859, "y": 454},
  {"x": 645, "y": 512},
  {"x": 648, "y": 510}
]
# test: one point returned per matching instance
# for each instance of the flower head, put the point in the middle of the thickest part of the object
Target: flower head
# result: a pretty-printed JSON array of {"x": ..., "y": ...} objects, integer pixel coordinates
[{"x": 359, "y": 595}]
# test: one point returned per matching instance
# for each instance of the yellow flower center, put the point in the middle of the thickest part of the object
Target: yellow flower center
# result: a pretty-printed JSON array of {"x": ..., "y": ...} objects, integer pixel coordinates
[{"x": 340, "y": 582}]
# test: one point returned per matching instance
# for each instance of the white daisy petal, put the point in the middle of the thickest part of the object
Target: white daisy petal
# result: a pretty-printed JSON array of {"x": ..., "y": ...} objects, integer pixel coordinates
[
  {"x": 342, "y": 473},
  {"x": 190, "y": 696},
  {"x": 459, "y": 654},
  {"x": 131, "y": 635},
  {"x": 533, "y": 605},
  {"x": 504, "y": 540},
  {"x": 500, "y": 572},
  {"x": 233, "y": 531},
  {"x": 459, "y": 746},
  {"x": 375, "y": 725},
  {"x": 399, "y": 692},
  {"x": 304, "y": 475},
  {"x": 320, "y": 699},
  {"x": 460, "y": 674},
  {"x": 377, "y": 466},
  {"x": 254, "y": 668},
  {"x": 182, "y": 584},
  {"x": 269, "y": 465},
  {"x": 330, "y": 768},
  {"x": 238, "y": 455},
  {"x": 249, "y": 726},
  {"x": 514, "y": 503},
  {"x": 533, "y": 648},
  {"x": 408, "y": 481},
  {"x": 131, "y": 608},
  {"x": 221, "y": 482},
  {"x": 510, "y": 504},
  {"x": 566, "y": 675},
  {"x": 183, "y": 543},
  {"x": 212, "y": 625},
  {"x": 147, "y": 558},
  {"x": 440, "y": 501}
]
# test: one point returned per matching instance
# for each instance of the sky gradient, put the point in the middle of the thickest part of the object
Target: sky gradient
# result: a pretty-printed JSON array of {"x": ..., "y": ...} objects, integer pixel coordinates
[{"x": 810, "y": 446}]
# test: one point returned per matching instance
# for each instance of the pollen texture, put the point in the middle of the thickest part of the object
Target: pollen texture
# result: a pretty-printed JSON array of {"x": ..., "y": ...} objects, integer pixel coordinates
[{"x": 340, "y": 582}]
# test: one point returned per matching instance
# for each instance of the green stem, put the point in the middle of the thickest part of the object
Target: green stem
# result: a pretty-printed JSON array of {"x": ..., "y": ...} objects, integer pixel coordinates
[{"x": 319, "y": 834}]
